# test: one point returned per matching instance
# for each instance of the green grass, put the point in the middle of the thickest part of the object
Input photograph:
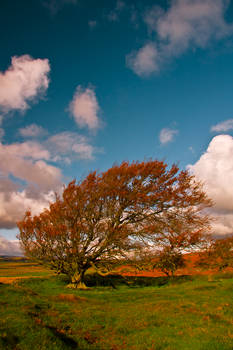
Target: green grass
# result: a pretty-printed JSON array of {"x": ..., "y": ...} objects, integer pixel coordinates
[
  {"x": 16, "y": 267},
  {"x": 186, "y": 313}
]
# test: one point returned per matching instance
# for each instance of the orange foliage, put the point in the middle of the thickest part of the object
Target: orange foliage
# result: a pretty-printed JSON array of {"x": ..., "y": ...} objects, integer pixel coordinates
[{"x": 115, "y": 216}]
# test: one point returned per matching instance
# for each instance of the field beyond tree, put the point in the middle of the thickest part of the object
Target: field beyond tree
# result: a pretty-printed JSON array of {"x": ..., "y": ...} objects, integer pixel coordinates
[{"x": 38, "y": 311}]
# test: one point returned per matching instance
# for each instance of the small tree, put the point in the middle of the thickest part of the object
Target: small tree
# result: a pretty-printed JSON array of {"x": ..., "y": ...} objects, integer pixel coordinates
[
  {"x": 109, "y": 218},
  {"x": 219, "y": 254},
  {"x": 169, "y": 260},
  {"x": 180, "y": 232}
]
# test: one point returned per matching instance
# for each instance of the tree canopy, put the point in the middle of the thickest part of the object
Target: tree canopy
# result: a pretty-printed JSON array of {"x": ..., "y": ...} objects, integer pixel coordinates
[
  {"x": 110, "y": 218},
  {"x": 219, "y": 254}
]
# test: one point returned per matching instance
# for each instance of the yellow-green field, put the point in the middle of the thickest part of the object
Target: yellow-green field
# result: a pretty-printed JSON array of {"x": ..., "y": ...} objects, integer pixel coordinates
[
  {"x": 12, "y": 269},
  {"x": 184, "y": 313}
]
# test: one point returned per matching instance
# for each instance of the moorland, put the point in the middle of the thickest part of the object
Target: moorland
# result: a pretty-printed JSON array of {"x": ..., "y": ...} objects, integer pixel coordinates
[{"x": 150, "y": 311}]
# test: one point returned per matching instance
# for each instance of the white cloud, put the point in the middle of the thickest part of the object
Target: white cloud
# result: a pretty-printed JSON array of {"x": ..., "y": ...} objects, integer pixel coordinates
[
  {"x": 167, "y": 135},
  {"x": 26, "y": 162},
  {"x": 23, "y": 82},
  {"x": 84, "y": 107},
  {"x": 62, "y": 147},
  {"x": 223, "y": 126},
  {"x": 15, "y": 204},
  {"x": 186, "y": 24},
  {"x": 26, "y": 180},
  {"x": 2, "y": 133},
  {"x": 10, "y": 248},
  {"x": 215, "y": 170},
  {"x": 28, "y": 150},
  {"x": 145, "y": 61},
  {"x": 32, "y": 131},
  {"x": 70, "y": 145}
]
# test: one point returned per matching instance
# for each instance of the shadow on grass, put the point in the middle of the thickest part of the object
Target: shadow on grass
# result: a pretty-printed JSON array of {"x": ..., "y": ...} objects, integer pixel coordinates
[
  {"x": 9, "y": 340},
  {"x": 38, "y": 311},
  {"x": 115, "y": 281},
  {"x": 69, "y": 342}
]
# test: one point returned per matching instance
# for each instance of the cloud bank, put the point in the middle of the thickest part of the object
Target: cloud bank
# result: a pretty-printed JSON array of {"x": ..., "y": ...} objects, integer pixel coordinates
[
  {"x": 215, "y": 170},
  {"x": 27, "y": 181},
  {"x": 186, "y": 24},
  {"x": 28, "y": 178},
  {"x": 24, "y": 81},
  {"x": 11, "y": 248}
]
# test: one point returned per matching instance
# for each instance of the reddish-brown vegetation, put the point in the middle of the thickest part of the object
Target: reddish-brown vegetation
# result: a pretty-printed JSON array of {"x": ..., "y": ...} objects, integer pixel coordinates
[
  {"x": 116, "y": 217},
  {"x": 191, "y": 267}
]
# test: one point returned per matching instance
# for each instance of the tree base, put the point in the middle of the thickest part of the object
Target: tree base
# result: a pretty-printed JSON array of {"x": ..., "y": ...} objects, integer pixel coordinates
[{"x": 79, "y": 285}]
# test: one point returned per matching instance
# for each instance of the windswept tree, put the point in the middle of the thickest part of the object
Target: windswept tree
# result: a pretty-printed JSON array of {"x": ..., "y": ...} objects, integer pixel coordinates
[
  {"x": 169, "y": 260},
  {"x": 112, "y": 217},
  {"x": 181, "y": 231},
  {"x": 218, "y": 254}
]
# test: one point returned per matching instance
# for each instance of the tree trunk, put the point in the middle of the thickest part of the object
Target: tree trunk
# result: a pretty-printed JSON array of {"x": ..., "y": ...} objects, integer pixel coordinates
[{"x": 77, "y": 280}]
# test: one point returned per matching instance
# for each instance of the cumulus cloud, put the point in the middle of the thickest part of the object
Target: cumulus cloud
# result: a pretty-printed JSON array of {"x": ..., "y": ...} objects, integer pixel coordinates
[
  {"x": 61, "y": 147},
  {"x": 186, "y": 24},
  {"x": 70, "y": 145},
  {"x": 26, "y": 180},
  {"x": 14, "y": 205},
  {"x": 28, "y": 150},
  {"x": 23, "y": 82},
  {"x": 32, "y": 131},
  {"x": 9, "y": 248},
  {"x": 223, "y": 126},
  {"x": 215, "y": 170},
  {"x": 167, "y": 135},
  {"x": 145, "y": 61},
  {"x": 84, "y": 107}
]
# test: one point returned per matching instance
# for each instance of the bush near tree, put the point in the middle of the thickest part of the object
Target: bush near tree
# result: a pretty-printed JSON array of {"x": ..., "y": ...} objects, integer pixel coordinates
[{"x": 114, "y": 217}]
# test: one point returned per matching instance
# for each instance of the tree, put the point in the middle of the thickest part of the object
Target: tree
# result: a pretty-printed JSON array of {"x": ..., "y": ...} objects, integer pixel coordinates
[
  {"x": 219, "y": 254},
  {"x": 181, "y": 231},
  {"x": 110, "y": 217},
  {"x": 169, "y": 260}
]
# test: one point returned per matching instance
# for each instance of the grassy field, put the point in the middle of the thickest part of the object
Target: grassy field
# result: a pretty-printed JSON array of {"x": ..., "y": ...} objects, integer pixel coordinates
[{"x": 188, "y": 312}]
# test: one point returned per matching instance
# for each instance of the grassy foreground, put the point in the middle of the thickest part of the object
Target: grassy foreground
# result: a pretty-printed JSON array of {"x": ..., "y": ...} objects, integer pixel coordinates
[{"x": 139, "y": 313}]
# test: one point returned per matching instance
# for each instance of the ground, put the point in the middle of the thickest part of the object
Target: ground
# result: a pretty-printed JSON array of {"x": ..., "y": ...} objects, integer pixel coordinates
[{"x": 134, "y": 312}]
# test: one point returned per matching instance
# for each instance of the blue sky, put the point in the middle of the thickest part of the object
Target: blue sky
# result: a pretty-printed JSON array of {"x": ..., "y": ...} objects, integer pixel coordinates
[{"x": 84, "y": 85}]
